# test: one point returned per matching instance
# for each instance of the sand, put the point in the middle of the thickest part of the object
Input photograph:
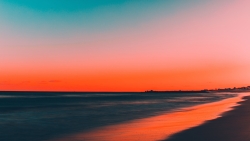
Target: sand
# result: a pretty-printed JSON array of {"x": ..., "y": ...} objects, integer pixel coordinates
[
  {"x": 232, "y": 126},
  {"x": 157, "y": 127}
]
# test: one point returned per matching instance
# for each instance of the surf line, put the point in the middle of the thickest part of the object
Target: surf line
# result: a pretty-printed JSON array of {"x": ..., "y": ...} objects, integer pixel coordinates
[{"x": 161, "y": 126}]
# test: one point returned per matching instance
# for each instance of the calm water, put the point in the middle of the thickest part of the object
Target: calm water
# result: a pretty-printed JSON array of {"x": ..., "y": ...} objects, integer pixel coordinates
[{"x": 42, "y": 116}]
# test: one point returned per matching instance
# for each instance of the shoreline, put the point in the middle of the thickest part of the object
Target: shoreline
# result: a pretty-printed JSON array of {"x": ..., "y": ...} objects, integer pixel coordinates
[
  {"x": 232, "y": 126},
  {"x": 158, "y": 127}
]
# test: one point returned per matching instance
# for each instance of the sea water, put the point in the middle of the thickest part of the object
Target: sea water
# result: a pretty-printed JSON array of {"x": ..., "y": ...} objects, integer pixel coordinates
[{"x": 38, "y": 116}]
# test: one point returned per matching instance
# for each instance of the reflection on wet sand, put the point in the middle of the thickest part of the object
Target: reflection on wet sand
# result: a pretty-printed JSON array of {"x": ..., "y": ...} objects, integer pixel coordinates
[{"x": 158, "y": 127}]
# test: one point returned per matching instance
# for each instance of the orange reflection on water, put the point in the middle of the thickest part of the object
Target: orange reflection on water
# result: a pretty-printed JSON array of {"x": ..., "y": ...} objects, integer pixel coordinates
[{"x": 158, "y": 127}]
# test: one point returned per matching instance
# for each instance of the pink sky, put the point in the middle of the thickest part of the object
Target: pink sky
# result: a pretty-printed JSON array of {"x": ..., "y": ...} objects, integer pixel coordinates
[{"x": 205, "y": 46}]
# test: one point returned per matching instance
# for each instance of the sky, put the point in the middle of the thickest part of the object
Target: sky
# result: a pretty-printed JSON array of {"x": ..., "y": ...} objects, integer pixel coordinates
[{"x": 124, "y": 45}]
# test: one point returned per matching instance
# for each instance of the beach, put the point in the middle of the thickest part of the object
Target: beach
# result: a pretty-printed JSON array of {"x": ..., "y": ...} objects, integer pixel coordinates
[
  {"x": 162, "y": 126},
  {"x": 232, "y": 126},
  {"x": 124, "y": 70},
  {"x": 67, "y": 116}
]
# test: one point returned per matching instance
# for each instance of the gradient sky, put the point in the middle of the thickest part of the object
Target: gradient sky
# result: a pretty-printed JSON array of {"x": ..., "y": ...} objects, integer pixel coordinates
[{"x": 124, "y": 45}]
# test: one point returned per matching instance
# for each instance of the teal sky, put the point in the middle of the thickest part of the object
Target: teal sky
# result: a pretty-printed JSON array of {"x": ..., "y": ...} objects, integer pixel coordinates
[
  {"x": 123, "y": 45},
  {"x": 90, "y": 16}
]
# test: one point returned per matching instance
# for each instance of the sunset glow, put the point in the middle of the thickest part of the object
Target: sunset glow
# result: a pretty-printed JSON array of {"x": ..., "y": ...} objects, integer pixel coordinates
[{"x": 123, "y": 46}]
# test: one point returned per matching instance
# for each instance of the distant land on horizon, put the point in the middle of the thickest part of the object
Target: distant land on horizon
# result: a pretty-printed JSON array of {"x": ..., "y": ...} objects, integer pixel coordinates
[{"x": 238, "y": 89}]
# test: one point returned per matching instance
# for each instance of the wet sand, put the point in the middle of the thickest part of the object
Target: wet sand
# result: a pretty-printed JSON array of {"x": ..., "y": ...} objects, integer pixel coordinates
[
  {"x": 232, "y": 126},
  {"x": 158, "y": 127}
]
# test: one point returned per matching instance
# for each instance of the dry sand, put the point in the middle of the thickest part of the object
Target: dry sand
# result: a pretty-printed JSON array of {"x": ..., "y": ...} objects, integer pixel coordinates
[
  {"x": 232, "y": 126},
  {"x": 162, "y": 126}
]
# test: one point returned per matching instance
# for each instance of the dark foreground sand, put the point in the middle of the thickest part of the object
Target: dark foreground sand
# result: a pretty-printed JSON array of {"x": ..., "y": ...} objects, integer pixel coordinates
[
  {"x": 232, "y": 126},
  {"x": 158, "y": 127}
]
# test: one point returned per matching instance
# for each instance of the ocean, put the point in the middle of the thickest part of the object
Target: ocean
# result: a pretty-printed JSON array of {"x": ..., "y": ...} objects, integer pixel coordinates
[{"x": 40, "y": 116}]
